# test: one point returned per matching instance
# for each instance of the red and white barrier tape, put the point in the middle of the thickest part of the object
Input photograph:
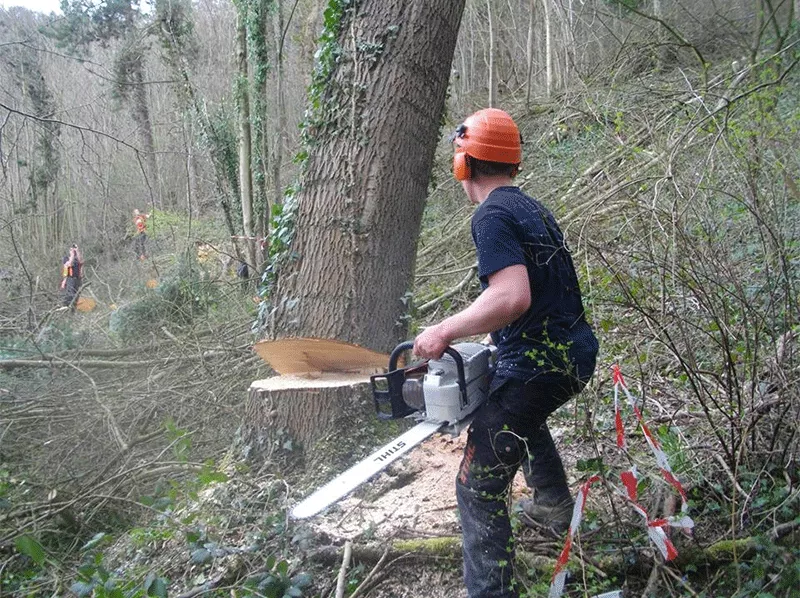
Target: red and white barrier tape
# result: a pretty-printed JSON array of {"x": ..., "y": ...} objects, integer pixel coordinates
[
  {"x": 560, "y": 575},
  {"x": 652, "y": 441},
  {"x": 655, "y": 527}
]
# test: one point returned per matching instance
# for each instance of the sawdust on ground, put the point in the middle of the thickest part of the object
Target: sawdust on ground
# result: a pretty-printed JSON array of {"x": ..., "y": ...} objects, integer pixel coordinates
[{"x": 413, "y": 498}]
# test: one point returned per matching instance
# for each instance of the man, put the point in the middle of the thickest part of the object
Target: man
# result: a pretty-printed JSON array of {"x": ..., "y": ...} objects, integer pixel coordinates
[
  {"x": 71, "y": 267},
  {"x": 531, "y": 304},
  {"x": 140, "y": 221}
]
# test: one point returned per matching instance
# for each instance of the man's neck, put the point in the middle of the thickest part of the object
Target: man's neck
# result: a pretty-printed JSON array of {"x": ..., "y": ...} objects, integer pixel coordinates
[{"x": 486, "y": 184}]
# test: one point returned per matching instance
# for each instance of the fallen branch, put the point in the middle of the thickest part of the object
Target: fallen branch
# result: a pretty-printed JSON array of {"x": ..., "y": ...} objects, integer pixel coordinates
[
  {"x": 104, "y": 364},
  {"x": 467, "y": 280},
  {"x": 342, "y": 579},
  {"x": 371, "y": 578}
]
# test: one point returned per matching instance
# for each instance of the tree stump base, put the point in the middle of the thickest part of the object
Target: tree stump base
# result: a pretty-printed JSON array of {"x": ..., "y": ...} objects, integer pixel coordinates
[{"x": 324, "y": 423}]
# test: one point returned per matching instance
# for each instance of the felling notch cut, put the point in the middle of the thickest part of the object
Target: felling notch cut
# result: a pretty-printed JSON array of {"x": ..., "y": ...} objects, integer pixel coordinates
[
  {"x": 321, "y": 389},
  {"x": 309, "y": 356}
]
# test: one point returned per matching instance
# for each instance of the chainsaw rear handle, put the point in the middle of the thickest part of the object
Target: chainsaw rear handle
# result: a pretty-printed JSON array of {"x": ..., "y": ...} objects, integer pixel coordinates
[{"x": 462, "y": 381}]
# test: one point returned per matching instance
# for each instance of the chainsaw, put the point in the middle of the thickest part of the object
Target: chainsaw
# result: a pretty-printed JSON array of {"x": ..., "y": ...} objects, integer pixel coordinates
[{"x": 442, "y": 394}]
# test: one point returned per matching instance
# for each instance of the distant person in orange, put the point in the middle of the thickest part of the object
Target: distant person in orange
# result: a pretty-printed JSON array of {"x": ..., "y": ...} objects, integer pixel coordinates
[
  {"x": 140, "y": 221},
  {"x": 71, "y": 267}
]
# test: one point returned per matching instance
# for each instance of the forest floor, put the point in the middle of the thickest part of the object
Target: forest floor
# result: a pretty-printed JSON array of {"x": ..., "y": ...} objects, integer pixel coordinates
[{"x": 414, "y": 499}]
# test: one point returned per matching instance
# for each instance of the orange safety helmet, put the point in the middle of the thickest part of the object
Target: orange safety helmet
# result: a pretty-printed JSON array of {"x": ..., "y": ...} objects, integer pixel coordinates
[{"x": 489, "y": 135}]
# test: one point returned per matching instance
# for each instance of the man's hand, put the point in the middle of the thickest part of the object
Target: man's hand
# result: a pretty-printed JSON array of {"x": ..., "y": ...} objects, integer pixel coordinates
[
  {"x": 431, "y": 343},
  {"x": 64, "y": 283}
]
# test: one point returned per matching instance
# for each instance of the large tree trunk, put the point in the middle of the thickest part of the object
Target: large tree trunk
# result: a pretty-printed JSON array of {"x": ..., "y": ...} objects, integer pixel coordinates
[
  {"x": 358, "y": 213},
  {"x": 364, "y": 188}
]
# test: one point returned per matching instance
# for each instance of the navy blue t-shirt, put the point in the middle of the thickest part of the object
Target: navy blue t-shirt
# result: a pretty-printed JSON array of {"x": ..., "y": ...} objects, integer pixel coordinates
[{"x": 552, "y": 338}]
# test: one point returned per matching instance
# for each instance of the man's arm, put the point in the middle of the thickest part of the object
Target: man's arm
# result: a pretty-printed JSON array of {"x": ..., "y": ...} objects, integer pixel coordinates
[{"x": 507, "y": 297}]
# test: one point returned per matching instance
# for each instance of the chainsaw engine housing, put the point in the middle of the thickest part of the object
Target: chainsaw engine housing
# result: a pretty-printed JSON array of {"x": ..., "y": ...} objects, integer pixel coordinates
[
  {"x": 444, "y": 400},
  {"x": 445, "y": 390}
]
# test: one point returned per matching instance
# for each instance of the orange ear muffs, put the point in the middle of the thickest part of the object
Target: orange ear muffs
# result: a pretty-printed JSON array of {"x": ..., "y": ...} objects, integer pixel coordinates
[{"x": 461, "y": 169}]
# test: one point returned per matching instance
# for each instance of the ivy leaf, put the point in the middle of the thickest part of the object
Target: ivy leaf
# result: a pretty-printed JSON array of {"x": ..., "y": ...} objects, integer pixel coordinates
[
  {"x": 28, "y": 546},
  {"x": 81, "y": 588},
  {"x": 155, "y": 586},
  {"x": 200, "y": 556},
  {"x": 282, "y": 568},
  {"x": 301, "y": 580},
  {"x": 593, "y": 465}
]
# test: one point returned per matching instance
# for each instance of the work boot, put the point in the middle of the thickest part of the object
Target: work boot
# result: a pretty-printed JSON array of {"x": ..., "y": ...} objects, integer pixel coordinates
[{"x": 556, "y": 517}]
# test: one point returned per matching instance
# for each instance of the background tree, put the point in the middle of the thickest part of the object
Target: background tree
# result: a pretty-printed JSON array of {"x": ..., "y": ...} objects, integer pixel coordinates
[
  {"x": 118, "y": 20},
  {"x": 23, "y": 63}
]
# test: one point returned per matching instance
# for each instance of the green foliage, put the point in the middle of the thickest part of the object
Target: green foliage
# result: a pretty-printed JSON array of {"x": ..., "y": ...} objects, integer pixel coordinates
[
  {"x": 31, "y": 548},
  {"x": 176, "y": 27},
  {"x": 276, "y": 581},
  {"x": 325, "y": 60},
  {"x": 552, "y": 356},
  {"x": 57, "y": 335},
  {"x": 220, "y": 138},
  {"x": 102, "y": 22},
  {"x": 184, "y": 293},
  {"x": 168, "y": 225},
  {"x": 280, "y": 252},
  {"x": 771, "y": 571},
  {"x": 180, "y": 441},
  {"x": 128, "y": 70},
  {"x": 95, "y": 580}
]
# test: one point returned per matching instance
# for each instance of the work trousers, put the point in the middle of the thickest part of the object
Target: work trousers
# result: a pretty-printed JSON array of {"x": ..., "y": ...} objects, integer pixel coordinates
[
  {"x": 71, "y": 288},
  {"x": 139, "y": 244},
  {"x": 508, "y": 430}
]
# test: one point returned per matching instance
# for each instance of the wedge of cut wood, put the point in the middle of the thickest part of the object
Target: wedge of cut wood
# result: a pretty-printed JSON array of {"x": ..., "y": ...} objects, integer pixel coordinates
[{"x": 319, "y": 355}]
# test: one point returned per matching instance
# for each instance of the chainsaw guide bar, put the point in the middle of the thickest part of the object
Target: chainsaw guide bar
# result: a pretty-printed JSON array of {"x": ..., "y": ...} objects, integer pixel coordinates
[{"x": 362, "y": 471}]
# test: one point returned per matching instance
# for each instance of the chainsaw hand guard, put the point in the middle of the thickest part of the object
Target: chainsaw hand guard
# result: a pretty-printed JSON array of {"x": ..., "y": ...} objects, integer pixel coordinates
[{"x": 387, "y": 389}]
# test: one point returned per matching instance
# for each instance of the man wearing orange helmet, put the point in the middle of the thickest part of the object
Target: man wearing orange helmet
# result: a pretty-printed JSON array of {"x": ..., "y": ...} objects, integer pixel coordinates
[{"x": 531, "y": 304}]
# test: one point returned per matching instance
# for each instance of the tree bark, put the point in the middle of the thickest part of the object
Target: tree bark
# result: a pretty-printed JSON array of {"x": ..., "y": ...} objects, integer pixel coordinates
[
  {"x": 324, "y": 425},
  {"x": 492, "y": 65},
  {"x": 364, "y": 188},
  {"x": 245, "y": 175},
  {"x": 548, "y": 36},
  {"x": 280, "y": 137},
  {"x": 529, "y": 53}
]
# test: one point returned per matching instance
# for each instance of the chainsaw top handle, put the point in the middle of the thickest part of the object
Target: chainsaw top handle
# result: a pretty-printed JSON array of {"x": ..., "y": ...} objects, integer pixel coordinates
[{"x": 462, "y": 382}]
